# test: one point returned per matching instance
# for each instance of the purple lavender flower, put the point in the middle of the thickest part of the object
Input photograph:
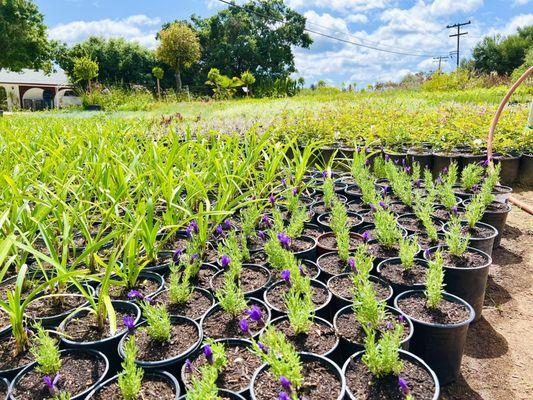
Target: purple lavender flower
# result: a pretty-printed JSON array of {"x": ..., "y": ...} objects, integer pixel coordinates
[
  {"x": 386, "y": 188},
  {"x": 295, "y": 191},
  {"x": 284, "y": 396},
  {"x": 387, "y": 157},
  {"x": 389, "y": 326},
  {"x": 272, "y": 199},
  {"x": 367, "y": 162},
  {"x": 486, "y": 162},
  {"x": 402, "y": 384},
  {"x": 265, "y": 220},
  {"x": 418, "y": 183},
  {"x": 286, "y": 384},
  {"x": 366, "y": 236},
  {"x": 283, "y": 182},
  {"x": 445, "y": 170},
  {"x": 372, "y": 207},
  {"x": 225, "y": 261},
  {"x": 255, "y": 313},
  {"x": 129, "y": 322},
  {"x": 188, "y": 366},
  {"x": 243, "y": 325},
  {"x": 351, "y": 263},
  {"x": 302, "y": 270},
  {"x": 177, "y": 255},
  {"x": 135, "y": 294},
  {"x": 284, "y": 240},
  {"x": 401, "y": 319},
  {"x": 427, "y": 254},
  {"x": 51, "y": 383},
  {"x": 396, "y": 161},
  {"x": 455, "y": 210},
  {"x": 326, "y": 174},
  {"x": 475, "y": 188},
  {"x": 408, "y": 170},
  {"x": 219, "y": 230},
  {"x": 403, "y": 162},
  {"x": 439, "y": 180},
  {"x": 194, "y": 257},
  {"x": 263, "y": 348},
  {"x": 383, "y": 205},
  {"x": 286, "y": 275},
  {"x": 261, "y": 235},
  {"x": 208, "y": 353},
  {"x": 192, "y": 228},
  {"x": 226, "y": 224}
]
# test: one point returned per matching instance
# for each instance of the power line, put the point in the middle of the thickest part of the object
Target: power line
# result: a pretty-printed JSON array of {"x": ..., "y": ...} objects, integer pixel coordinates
[
  {"x": 334, "y": 37},
  {"x": 439, "y": 59},
  {"x": 458, "y": 35}
]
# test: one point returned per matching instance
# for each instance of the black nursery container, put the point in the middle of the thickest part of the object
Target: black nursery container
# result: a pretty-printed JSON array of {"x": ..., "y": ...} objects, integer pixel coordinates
[
  {"x": 398, "y": 288},
  {"x": 440, "y": 346},
  {"x": 510, "y": 168},
  {"x": 423, "y": 157},
  {"x": 4, "y": 385},
  {"x": 223, "y": 393},
  {"x": 441, "y": 161},
  {"x": 12, "y": 372},
  {"x": 484, "y": 244},
  {"x": 525, "y": 175},
  {"x": 497, "y": 217}
]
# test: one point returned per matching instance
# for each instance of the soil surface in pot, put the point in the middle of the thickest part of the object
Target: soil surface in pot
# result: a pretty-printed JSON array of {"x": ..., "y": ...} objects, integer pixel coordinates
[
  {"x": 364, "y": 385},
  {"x": 236, "y": 374},
  {"x": 350, "y": 329},
  {"x": 258, "y": 258},
  {"x": 50, "y": 306},
  {"x": 380, "y": 251},
  {"x": 357, "y": 207},
  {"x": 203, "y": 278},
  {"x": 332, "y": 264},
  {"x": 445, "y": 215},
  {"x": 330, "y": 242},
  {"x": 4, "y": 320},
  {"x": 400, "y": 208},
  {"x": 396, "y": 273},
  {"x": 255, "y": 242},
  {"x": 276, "y": 296},
  {"x": 7, "y": 359},
  {"x": 312, "y": 232},
  {"x": 220, "y": 325},
  {"x": 319, "y": 383},
  {"x": 250, "y": 279},
  {"x": 478, "y": 231},
  {"x": 145, "y": 286},
  {"x": 85, "y": 328},
  {"x": 412, "y": 224},
  {"x": 3, "y": 391},
  {"x": 497, "y": 207},
  {"x": 342, "y": 286},
  {"x": 174, "y": 243},
  {"x": 79, "y": 371},
  {"x": 196, "y": 306},
  {"x": 448, "y": 312},
  {"x": 152, "y": 388},
  {"x": 469, "y": 259},
  {"x": 425, "y": 242},
  {"x": 352, "y": 220},
  {"x": 298, "y": 244},
  {"x": 320, "y": 338},
  {"x": 182, "y": 337}
]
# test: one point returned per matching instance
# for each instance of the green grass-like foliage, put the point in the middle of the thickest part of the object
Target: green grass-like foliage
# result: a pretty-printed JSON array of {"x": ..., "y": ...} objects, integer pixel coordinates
[
  {"x": 382, "y": 358},
  {"x": 456, "y": 241},
  {"x": 387, "y": 231},
  {"x": 471, "y": 175},
  {"x": 231, "y": 297},
  {"x": 408, "y": 250},
  {"x": 435, "y": 281},
  {"x": 130, "y": 380},
  {"x": 339, "y": 226},
  {"x": 46, "y": 352},
  {"x": 158, "y": 324}
]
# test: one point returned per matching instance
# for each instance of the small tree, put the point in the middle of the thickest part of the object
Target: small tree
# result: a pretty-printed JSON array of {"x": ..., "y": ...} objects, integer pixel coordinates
[
  {"x": 224, "y": 86},
  {"x": 85, "y": 69},
  {"x": 248, "y": 79},
  {"x": 158, "y": 73},
  {"x": 179, "y": 47}
]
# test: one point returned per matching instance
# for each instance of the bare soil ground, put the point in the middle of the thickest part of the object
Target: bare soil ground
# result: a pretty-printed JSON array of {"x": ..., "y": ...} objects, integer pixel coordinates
[{"x": 498, "y": 359}]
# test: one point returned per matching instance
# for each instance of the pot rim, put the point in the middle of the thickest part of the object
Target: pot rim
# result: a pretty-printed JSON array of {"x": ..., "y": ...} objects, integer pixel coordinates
[
  {"x": 370, "y": 277},
  {"x": 482, "y": 224},
  {"x": 314, "y": 282},
  {"x": 250, "y": 266},
  {"x": 472, "y": 249}
]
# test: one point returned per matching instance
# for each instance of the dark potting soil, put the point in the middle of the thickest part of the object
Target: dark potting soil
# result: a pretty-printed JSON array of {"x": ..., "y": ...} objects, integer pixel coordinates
[
  {"x": 399, "y": 208},
  {"x": 320, "y": 338},
  {"x": 236, "y": 374},
  {"x": 176, "y": 242},
  {"x": 396, "y": 273},
  {"x": 358, "y": 207},
  {"x": 152, "y": 388},
  {"x": 469, "y": 259},
  {"x": 144, "y": 286},
  {"x": 193, "y": 308},
  {"x": 478, "y": 232},
  {"x": 350, "y": 329},
  {"x": 79, "y": 371},
  {"x": 364, "y": 385},
  {"x": 497, "y": 207},
  {"x": 161, "y": 259},
  {"x": 353, "y": 191},
  {"x": 182, "y": 337},
  {"x": 412, "y": 224},
  {"x": 4, "y": 320},
  {"x": 320, "y": 208},
  {"x": 380, "y": 251},
  {"x": 3, "y": 391},
  {"x": 7, "y": 358},
  {"x": 297, "y": 245},
  {"x": 210, "y": 255},
  {"x": 352, "y": 220},
  {"x": 312, "y": 232},
  {"x": 85, "y": 328},
  {"x": 276, "y": 296},
  {"x": 250, "y": 279},
  {"x": 258, "y": 258},
  {"x": 310, "y": 270},
  {"x": 219, "y": 324},
  {"x": 50, "y": 306},
  {"x": 444, "y": 214},
  {"x": 342, "y": 286},
  {"x": 319, "y": 383},
  {"x": 447, "y": 312},
  {"x": 332, "y": 264},
  {"x": 330, "y": 242},
  {"x": 255, "y": 242},
  {"x": 203, "y": 278},
  {"x": 425, "y": 242}
]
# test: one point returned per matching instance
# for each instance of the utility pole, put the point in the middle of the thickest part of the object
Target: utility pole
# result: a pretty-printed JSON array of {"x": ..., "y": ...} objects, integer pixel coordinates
[
  {"x": 458, "y": 34},
  {"x": 439, "y": 59}
]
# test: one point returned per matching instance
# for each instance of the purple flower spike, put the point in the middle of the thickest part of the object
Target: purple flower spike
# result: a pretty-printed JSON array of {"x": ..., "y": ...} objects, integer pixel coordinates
[
  {"x": 286, "y": 275},
  {"x": 286, "y": 384},
  {"x": 326, "y": 174},
  {"x": 366, "y": 236},
  {"x": 445, "y": 170},
  {"x": 284, "y": 182},
  {"x": 243, "y": 325},
  {"x": 401, "y": 319},
  {"x": 486, "y": 162},
  {"x": 389, "y": 326},
  {"x": 439, "y": 180},
  {"x": 455, "y": 210},
  {"x": 135, "y": 294},
  {"x": 188, "y": 366},
  {"x": 427, "y": 254},
  {"x": 225, "y": 261},
  {"x": 372, "y": 207},
  {"x": 177, "y": 255},
  {"x": 367, "y": 162},
  {"x": 351, "y": 263},
  {"x": 383, "y": 205},
  {"x": 396, "y": 161},
  {"x": 261, "y": 235},
  {"x": 255, "y": 313},
  {"x": 192, "y": 228},
  {"x": 194, "y": 257},
  {"x": 403, "y": 162},
  {"x": 408, "y": 170},
  {"x": 418, "y": 183},
  {"x": 284, "y": 396},
  {"x": 208, "y": 353},
  {"x": 475, "y": 188},
  {"x": 284, "y": 240},
  {"x": 272, "y": 199},
  {"x": 387, "y": 157},
  {"x": 262, "y": 347},
  {"x": 226, "y": 225},
  {"x": 129, "y": 322},
  {"x": 51, "y": 383},
  {"x": 302, "y": 270},
  {"x": 386, "y": 188},
  {"x": 265, "y": 220},
  {"x": 295, "y": 191},
  {"x": 219, "y": 230},
  {"x": 402, "y": 384}
]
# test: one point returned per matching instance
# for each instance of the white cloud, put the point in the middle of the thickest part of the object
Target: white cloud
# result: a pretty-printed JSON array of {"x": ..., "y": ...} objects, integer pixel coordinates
[
  {"x": 448, "y": 7},
  {"x": 357, "y": 18},
  {"x": 340, "y": 5},
  {"x": 518, "y": 21},
  {"x": 136, "y": 28},
  {"x": 520, "y": 2},
  {"x": 325, "y": 21}
]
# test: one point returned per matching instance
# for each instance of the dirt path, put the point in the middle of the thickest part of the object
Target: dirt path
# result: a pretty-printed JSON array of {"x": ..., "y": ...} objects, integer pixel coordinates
[{"x": 498, "y": 360}]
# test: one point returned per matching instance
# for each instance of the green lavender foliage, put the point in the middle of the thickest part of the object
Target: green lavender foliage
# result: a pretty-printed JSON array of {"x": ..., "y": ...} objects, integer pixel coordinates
[
  {"x": 293, "y": 201},
  {"x": 430, "y": 186},
  {"x": 250, "y": 216},
  {"x": 382, "y": 358},
  {"x": 46, "y": 352},
  {"x": 364, "y": 263},
  {"x": 486, "y": 193},
  {"x": 231, "y": 297},
  {"x": 180, "y": 289},
  {"x": 219, "y": 354},
  {"x": 328, "y": 189},
  {"x": 278, "y": 223},
  {"x": 435, "y": 281},
  {"x": 450, "y": 178},
  {"x": 401, "y": 184},
  {"x": 471, "y": 175},
  {"x": 158, "y": 324},
  {"x": 281, "y": 356},
  {"x": 300, "y": 310},
  {"x": 387, "y": 231},
  {"x": 62, "y": 396},
  {"x": 415, "y": 171},
  {"x": 278, "y": 257},
  {"x": 130, "y": 380},
  {"x": 205, "y": 387},
  {"x": 474, "y": 211},
  {"x": 358, "y": 163},
  {"x": 423, "y": 209},
  {"x": 456, "y": 241},
  {"x": 447, "y": 196},
  {"x": 368, "y": 310},
  {"x": 339, "y": 226},
  {"x": 299, "y": 217},
  {"x": 379, "y": 167},
  {"x": 232, "y": 248},
  {"x": 408, "y": 250}
]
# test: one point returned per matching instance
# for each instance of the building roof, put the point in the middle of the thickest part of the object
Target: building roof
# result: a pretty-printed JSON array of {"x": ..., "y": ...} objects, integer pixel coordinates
[{"x": 31, "y": 77}]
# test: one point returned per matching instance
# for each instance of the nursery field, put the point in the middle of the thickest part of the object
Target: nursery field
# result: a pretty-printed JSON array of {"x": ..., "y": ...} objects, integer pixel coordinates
[{"x": 326, "y": 246}]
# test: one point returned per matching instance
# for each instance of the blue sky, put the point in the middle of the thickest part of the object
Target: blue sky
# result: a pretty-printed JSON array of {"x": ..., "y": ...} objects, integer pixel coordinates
[{"x": 406, "y": 26}]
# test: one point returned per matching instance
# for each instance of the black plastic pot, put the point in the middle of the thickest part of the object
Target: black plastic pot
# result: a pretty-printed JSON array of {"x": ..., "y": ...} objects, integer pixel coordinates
[
  {"x": 321, "y": 249},
  {"x": 158, "y": 374},
  {"x": 9, "y": 373},
  {"x": 162, "y": 267},
  {"x": 441, "y": 346},
  {"x": 258, "y": 292},
  {"x": 308, "y": 357},
  {"x": 152, "y": 276},
  {"x": 321, "y": 219},
  {"x": 315, "y": 269},
  {"x": 79, "y": 396},
  {"x": 309, "y": 254},
  {"x": 339, "y": 301},
  {"x": 443, "y": 160},
  {"x": 502, "y": 193},
  {"x": 227, "y": 342},
  {"x": 397, "y": 157},
  {"x": 525, "y": 174},
  {"x": 470, "y": 158},
  {"x": 497, "y": 218},
  {"x": 223, "y": 393},
  {"x": 4, "y": 384},
  {"x": 467, "y": 283},
  {"x": 347, "y": 347},
  {"x": 424, "y": 158},
  {"x": 205, "y": 292},
  {"x": 510, "y": 168},
  {"x": 484, "y": 244},
  {"x": 398, "y": 288},
  {"x": 353, "y": 193},
  {"x": 323, "y": 311},
  {"x": 403, "y": 355}
]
